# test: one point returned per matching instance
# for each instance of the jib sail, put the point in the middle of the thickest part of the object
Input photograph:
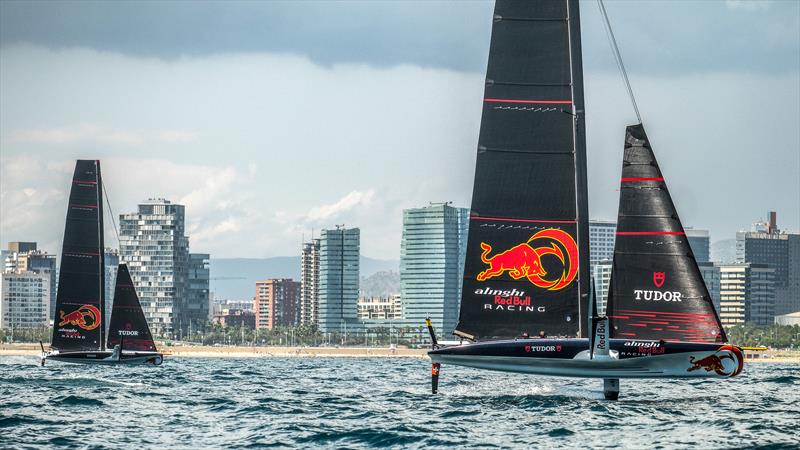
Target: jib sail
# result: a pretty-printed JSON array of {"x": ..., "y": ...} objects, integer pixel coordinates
[
  {"x": 527, "y": 250},
  {"x": 128, "y": 324},
  {"x": 656, "y": 290},
  {"x": 78, "y": 320}
]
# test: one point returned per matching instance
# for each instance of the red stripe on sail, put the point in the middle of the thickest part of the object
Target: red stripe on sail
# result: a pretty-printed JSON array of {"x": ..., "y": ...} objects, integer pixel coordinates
[
  {"x": 84, "y": 182},
  {"x": 506, "y": 219},
  {"x": 648, "y": 233},
  {"x": 644, "y": 179},
  {"x": 83, "y": 206},
  {"x": 529, "y": 102}
]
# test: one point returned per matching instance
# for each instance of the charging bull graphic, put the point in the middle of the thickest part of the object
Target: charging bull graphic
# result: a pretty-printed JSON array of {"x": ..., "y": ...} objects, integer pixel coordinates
[
  {"x": 525, "y": 260},
  {"x": 714, "y": 362},
  {"x": 86, "y": 317}
]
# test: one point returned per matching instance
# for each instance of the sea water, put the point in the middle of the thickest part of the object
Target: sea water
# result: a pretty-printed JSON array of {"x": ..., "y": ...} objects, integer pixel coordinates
[{"x": 381, "y": 402}]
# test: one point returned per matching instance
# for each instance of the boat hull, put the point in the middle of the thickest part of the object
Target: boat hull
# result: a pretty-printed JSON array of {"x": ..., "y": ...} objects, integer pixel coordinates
[
  {"x": 570, "y": 358},
  {"x": 106, "y": 358}
]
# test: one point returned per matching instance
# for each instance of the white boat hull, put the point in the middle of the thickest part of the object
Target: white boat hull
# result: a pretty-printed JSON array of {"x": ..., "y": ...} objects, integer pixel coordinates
[
  {"x": 667, "y": 360},
  {"x": 106, "y": 358}
]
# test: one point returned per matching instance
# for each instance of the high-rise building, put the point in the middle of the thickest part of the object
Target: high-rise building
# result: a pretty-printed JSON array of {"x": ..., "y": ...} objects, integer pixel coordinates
[
  {"x": 24, "y": 299},
  {"x": 766, "y": 244},
  {"x": 380, "y": 308},
  {"x": 732, "y": 291},
  {"x": 275, "y": 303},
  {"x": 309, "y": 283},
  {"x": 699, "y": 242},
  {"x": 153, "y": 244},
  {"x": 21, "y": 247},
  {"x": 112, "y": 264},
  {"x": 25, "y": 257},
  {"x": 747, "y": 294},
  {"x": 197, "y": 304},
  {"x": 711, "y": 276},
  {"x": 602, "y": 235},
  {"x": 338, "y": 279},
  {"x": 432, "y": 253},
  {"x": 601, "y": 273}
]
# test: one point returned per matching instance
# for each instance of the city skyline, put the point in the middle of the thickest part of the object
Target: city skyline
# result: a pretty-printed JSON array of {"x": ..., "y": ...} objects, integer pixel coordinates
[{"x": 198, "y": 122}]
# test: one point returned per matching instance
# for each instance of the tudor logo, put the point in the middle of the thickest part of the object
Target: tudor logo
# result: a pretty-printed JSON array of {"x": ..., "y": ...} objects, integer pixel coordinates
[{"x": 659, "y": 278}]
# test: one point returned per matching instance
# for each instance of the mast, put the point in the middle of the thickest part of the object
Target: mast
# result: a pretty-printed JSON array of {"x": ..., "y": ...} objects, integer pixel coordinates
[
  {"x": 78, "y": 316},
  {"x": 102, "y": 259},
  {"x": 656, "y": 289},
  {"x": 528, "y": 231},
  {"x": 581, "y": 172}
]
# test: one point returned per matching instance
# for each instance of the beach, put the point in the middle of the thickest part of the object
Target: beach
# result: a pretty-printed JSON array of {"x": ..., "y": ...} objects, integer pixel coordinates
[{"x": 199, "y": 351}]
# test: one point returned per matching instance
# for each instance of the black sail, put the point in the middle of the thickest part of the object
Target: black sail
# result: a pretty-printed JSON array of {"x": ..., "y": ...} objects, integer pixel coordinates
[
  {"x": 78, "y": 322},
  {"x": 528, "y": 231},
  {"x": 656, "y": 290},
  {"x": 128, "y": 324}
]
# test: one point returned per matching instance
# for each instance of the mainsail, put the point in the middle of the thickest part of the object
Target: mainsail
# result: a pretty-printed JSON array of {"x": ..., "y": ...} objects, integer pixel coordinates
[
  {"x": 128, "y": 325},
  {"x": 78, "y": 322},
  {"x": 656, "y": 290},
  {"x": 526, "y": 268}
]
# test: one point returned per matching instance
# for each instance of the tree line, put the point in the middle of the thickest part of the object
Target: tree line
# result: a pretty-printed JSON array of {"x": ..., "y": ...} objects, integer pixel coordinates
[{"x": 773, "y": 336}]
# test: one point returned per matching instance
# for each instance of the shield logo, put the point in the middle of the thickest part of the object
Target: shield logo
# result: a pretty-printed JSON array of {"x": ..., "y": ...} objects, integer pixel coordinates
[
  {"x": 658, "y": 279},
  {"x": 558, "y": 348}
]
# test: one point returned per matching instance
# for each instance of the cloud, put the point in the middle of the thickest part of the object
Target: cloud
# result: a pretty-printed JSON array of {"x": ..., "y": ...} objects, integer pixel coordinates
[
  {"x": 748, "y": 5},
  {"x": 93, "y": 133},
  {"x": 348, "y": 202},
  {"x": 263, "y": 148}
]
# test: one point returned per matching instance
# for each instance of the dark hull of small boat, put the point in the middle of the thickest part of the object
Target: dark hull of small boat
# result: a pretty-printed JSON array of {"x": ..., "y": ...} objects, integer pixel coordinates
[
  {"x": 570, "y": 358},
  {"x": 107, "y": 357}
]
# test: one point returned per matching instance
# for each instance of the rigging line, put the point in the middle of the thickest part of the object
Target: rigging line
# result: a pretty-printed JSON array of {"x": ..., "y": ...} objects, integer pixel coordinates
[
  {"x": 111, "y": 212},
  {"x": 618, "y": 57}
]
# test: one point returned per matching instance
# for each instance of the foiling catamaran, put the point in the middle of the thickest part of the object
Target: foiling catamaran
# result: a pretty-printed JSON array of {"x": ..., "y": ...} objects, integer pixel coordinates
[
  {"x": 527, "y": 262},
  {"x": 79, "y": 328}
]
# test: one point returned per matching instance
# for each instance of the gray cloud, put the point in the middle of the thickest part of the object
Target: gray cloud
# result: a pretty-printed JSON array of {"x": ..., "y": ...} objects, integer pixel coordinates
[{"x": 655, "y": 36}]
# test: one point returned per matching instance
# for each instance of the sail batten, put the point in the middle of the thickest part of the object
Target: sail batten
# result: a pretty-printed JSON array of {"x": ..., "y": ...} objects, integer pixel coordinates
[
  {"x": 656, "y": 289},
  {"x": 527, "y": 238}
]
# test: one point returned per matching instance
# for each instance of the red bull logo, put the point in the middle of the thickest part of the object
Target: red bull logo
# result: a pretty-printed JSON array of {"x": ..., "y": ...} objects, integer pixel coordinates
[
  {"x": 714, "y": 362},
  {"x": 525, "y": 260},
  {"x": 86, "y": 317}
]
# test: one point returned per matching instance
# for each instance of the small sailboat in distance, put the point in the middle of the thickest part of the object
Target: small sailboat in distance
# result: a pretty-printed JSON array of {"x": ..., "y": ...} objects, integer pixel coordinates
[
  {"x": 79, "y": 329},
  {"x": 527, "y": 266}
]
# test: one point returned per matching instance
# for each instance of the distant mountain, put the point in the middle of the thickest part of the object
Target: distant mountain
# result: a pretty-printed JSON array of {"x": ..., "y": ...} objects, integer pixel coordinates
[
  {"x": 724, "y": 251},
  {"x": 380, "y": 284},
  {"x": 225, "y": 273}
]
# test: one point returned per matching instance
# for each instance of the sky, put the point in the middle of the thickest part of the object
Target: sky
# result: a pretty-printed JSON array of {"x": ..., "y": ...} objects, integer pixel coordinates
[{"x": 272, "y": 120}]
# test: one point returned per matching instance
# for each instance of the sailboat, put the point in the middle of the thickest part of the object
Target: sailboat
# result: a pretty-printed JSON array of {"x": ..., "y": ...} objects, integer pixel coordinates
[
  {"x": 527, "y": 304},
  {"x": 79, "y": 331}
]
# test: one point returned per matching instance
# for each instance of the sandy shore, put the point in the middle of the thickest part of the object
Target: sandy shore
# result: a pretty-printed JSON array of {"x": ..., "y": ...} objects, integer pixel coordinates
[
  {"x": 249, "y": 352},
  {"x": 770, "y": 356}
]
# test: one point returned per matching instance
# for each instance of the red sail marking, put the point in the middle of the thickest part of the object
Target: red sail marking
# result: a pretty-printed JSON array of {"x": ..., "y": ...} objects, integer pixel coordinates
[
  {"x": 664, "y": 312},
  {"x": 649, "y": 233},
  {"x": 84, "y": 182},
  {"x": 83, "y": 206},
  {"x": 506, "y": 219},
  {"x": 619, "y": 317},
  {"x": 637, "y": 324},
  {"x": 627, "y": 334},
  {"x": 642, "y": 179},
  {"x": 530, "y": 102}
]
